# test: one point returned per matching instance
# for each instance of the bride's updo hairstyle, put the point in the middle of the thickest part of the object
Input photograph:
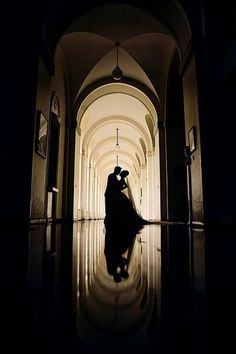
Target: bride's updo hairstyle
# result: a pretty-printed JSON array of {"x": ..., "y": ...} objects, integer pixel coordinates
[{"x": 124, "y": 173}]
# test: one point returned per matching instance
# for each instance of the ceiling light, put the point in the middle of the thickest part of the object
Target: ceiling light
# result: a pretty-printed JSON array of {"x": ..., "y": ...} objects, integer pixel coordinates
[
  {"x": 117, "y": 138},
  {"x": 117, "y": 73}
]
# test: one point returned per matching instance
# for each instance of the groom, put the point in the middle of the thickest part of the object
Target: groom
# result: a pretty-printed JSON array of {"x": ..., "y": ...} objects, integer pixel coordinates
[{"x": 113, "y": 186}]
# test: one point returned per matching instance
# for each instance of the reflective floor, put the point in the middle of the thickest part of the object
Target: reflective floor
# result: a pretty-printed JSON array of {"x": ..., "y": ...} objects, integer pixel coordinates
[
  {"x": 86, "y": 290},
  {"x": 118, "y": 311},
  {"x": 92, "y": 291},
  {"x": 76, "y": 288}
]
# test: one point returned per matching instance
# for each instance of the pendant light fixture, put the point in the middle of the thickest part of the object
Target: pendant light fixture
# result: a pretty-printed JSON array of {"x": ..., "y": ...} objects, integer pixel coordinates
[
  {"x": 117, "y": 73},
  {"x": 117, "y": 138}
]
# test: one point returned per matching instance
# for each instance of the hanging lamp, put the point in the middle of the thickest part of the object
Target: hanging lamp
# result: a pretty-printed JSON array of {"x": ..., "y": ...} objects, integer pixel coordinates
[
  {"x": 117, "y": 73},
  {"x": 117, "y": 138}
]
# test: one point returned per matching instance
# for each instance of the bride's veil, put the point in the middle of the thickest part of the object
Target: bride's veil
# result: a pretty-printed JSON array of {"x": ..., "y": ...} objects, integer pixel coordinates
[{"x": 129, "y": 194}]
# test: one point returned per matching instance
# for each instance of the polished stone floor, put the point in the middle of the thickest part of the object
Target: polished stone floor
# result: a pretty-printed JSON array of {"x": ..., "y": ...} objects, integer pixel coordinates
[
  {"x": 118, "y": 309},
  {"x": 79, "y": 301},
  {"x": 75, "y": 288}
]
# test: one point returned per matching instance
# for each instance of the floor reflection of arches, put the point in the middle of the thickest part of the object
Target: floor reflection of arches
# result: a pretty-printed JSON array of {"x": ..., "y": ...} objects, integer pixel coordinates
[{"x": 118, "y": 314}]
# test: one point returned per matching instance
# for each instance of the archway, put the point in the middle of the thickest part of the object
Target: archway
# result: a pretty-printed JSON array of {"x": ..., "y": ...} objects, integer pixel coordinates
[
  {"x": 106, "y": 111},
  {"x": 145, "y": 74},
  {"x": 152, "y": 56}
]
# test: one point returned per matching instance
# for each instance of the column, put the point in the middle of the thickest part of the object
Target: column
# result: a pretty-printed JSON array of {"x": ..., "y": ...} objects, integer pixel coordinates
[
  {"x": 150, "y": 185},
  {"x": 143, "y": 191},
  {"x": 83, "y": 185},
  {"x": 76, "y": 214}
]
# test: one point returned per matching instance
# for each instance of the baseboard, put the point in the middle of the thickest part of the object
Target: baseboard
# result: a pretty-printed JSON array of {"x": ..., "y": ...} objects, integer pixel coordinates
[
  {"x": 196, "y": 224},
  {"x": 38, "y": 221}
]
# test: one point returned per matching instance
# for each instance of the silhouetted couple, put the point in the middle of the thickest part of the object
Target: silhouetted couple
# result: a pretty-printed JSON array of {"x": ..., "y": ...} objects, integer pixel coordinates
[
  {"x": 122, "y": 224},
  {"x": 119, "y": 208}
]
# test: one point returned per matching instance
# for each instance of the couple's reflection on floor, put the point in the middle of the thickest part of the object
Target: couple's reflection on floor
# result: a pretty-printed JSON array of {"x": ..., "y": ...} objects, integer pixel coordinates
[
  {"x": 122, "y": 223},
  {"x": 119, "y": 242}
]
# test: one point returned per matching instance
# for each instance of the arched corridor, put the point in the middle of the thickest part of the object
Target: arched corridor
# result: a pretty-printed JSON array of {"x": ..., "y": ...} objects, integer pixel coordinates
[
  {"x": 116, "y": 129},
  {"x": 144, "y": 109}
]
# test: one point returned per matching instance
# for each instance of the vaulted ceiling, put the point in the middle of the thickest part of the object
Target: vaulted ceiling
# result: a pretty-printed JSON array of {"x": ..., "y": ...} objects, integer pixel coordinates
[{"x": 147, "y": 46}]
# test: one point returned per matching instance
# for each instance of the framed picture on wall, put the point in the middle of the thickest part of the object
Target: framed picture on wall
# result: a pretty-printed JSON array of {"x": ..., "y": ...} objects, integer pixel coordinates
[
  {"x": 41, "y": 135},
  {"x": 192, "y": 139}
]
